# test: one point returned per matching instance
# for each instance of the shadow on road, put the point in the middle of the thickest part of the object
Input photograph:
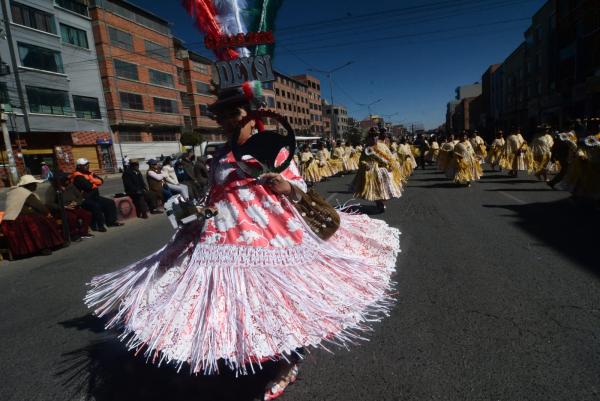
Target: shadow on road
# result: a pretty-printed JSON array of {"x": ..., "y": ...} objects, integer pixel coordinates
[
  {"x": 429, "y": 179},
  {"x": 564, "y": 226},
  {"x": 442, "y": 185},
  {"x": 521, "y": 190},
  {"x": 105, "y": 371},
  {"x": 513, "y": 181}
]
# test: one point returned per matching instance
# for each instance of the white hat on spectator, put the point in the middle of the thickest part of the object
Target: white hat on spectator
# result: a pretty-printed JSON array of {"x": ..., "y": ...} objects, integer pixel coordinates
[
  {"x": 82, "y": 162},
  {"x": 28, "y": 179}
]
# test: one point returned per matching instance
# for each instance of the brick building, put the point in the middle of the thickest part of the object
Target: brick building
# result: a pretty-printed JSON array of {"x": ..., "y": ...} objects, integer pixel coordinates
[
  {"x": 292, "y": 101},
  {"x": 315, "y": 107},
  {"x": 140, "y": 78}
]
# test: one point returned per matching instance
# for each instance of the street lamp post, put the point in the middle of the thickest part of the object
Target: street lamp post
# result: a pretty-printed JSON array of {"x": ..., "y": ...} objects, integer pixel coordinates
[
  {"x": 369, "y": 107},
  {"x": 329, "y": 75}
]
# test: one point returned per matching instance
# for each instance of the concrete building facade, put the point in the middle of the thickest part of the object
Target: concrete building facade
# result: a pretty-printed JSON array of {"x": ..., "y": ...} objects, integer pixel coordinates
[
  {"x": 338, "y": 117},
  {"x": 52, "y": 90}
]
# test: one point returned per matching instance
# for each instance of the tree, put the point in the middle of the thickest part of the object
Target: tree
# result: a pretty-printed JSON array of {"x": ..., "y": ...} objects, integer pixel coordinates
[{"x": 190, "y": 139}]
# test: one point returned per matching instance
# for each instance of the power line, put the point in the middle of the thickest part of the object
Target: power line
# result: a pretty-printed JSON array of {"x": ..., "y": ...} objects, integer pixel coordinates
[
  {"x": 376, "y": 14},
  {"x": 402, "y": 36},
  {"x": 404, "y": 21}
]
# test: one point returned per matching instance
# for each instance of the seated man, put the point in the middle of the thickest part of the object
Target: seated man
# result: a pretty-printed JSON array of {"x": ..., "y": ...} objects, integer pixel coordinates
[
  {"x": 135, "y": 187},
  {"x": 156, "y": 181},
  {"x": 104, "y": 210},
  {"x": 78, "y": 218}
]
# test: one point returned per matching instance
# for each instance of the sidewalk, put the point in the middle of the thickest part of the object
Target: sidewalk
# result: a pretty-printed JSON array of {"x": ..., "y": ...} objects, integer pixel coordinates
[{"x": 112, "y": 185}]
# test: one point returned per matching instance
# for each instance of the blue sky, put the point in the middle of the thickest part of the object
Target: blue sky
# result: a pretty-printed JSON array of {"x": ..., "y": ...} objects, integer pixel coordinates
[{"x": 410, "y": 53}]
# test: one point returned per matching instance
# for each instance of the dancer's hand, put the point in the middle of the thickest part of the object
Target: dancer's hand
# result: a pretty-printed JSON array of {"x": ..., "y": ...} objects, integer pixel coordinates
[{"x": 277, "y": 183}]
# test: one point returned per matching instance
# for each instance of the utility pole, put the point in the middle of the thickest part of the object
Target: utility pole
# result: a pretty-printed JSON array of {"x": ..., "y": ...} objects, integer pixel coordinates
[
  {"x": 13, "y": 174},
  {"x": 329, "y": 75},
  {"x": 369, "y": 107}
]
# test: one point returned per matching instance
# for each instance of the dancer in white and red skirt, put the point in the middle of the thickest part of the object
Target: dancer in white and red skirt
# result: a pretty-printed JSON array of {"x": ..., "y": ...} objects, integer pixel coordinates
[{"x": 254, "y": 283}]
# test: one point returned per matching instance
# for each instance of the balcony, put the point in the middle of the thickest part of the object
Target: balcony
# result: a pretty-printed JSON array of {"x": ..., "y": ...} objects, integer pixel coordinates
[{"x": 79, "y": 7}]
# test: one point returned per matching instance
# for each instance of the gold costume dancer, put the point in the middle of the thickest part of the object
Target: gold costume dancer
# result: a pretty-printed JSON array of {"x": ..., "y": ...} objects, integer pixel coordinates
[
  {"x": 516, "y": 155},
  {"x": 339, "y": 158},
  {"x": 541, "y": 150},
  {"x": 496, "y": 150},
  {"x": 479, "y": 146},
  {"x": 406, "y": 159},
  {"x": 322, "y": 158},
  {"x": 309, "y": 166},
  {"x": 351, "y": 161},
  {"x": 583, "y": 174},
  {"x": 467, "y": 167},
  {"x": 374, "y": 181}
]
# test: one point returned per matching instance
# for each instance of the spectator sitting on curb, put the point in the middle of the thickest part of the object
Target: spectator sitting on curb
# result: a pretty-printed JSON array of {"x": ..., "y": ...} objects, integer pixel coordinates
[
  {"x": 104, "y": 210},
  {"x": 135, "y": 187},
  {"x": 156, "y": 181},
  {"x": 170, "y": 177},
  {"x": 27, "y": 223},
  {"x": 78, "y": 218}
]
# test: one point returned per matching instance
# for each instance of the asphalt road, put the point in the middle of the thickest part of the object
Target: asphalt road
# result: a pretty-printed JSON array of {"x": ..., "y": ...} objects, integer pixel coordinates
[{"x": 498, "y": 299}]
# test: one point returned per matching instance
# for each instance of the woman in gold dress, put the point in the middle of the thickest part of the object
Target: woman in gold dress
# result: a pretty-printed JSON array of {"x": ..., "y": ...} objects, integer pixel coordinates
[
  {"x": 374, "y": 180},
  {"x": 309, "y": 166},
  {"x": 467, "y": 167}
]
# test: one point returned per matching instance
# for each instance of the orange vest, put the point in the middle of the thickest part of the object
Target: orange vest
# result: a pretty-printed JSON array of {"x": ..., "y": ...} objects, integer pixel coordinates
[{"x": 96, "y": 182}]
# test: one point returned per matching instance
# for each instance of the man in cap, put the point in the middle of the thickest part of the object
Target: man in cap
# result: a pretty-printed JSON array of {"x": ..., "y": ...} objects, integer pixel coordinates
[{"x": 104, "y": 210}]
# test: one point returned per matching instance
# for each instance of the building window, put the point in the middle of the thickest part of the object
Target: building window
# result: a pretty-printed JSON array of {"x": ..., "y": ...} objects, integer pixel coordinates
[
  {"x": 48, "y": 101},
  {"x": 40, "y": 58},
  {"x": 165, "y": 105},
  {"x": 4, "y": 98},
  {"x": 79, "y": 7},
  {"x": 32, "y": 17},
  {"x": 127, "y": 70},
  {"x": 202, "y": 87},
  {"x": 87, "y": 107},
  {"x": 74, "y": 36},
  {"x": 187, "y": 121},
  {"x": 204, "y": 111},
  {"x": 186, "y": 99},
  {"x": 161, "y": 78},
  {"x": 130, "y": 136},
  {"x": 157, "y": 51},
  {"x": 277, "y": 91},
  {"x": 131, "y": 101},
  {"x": 164, "y": 137},
  {"x": 201, "y": 68},
  {"x": 267, "y": 85},
  {"x": 181, "y": 78},
  {"x": 120, "y": 38},
  {"x": 270, "y": 101},
  {"x": 278, "y": 105}
]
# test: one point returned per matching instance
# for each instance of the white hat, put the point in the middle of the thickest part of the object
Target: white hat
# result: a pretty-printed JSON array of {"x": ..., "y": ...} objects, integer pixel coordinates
[
  {"x": 28, "y": 179},
  {"x": 82, "y": 162}
]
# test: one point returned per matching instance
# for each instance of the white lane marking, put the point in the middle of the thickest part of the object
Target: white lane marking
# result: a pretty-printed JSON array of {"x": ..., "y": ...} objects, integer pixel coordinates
[{"x": 509, "y": 196}]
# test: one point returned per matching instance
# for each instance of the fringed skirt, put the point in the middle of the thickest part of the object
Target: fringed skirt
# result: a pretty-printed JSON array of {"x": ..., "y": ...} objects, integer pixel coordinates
[
  {"x": 31, "y": 233},
  {"x": 193, "y": 304},
  {"x": 466, "y": 170},
  {"x": 376, "y": 184},
  {"x": 311, "y": 172}
]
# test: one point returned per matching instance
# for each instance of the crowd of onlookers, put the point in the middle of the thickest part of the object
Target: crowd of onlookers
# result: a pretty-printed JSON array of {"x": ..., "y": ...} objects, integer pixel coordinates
[{"x": 73, "y": 207}]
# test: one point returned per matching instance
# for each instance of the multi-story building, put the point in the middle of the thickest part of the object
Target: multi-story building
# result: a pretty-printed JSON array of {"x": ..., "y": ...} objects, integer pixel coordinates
[
  {"x": 338, "y": 115},
  {"x": 52, "y": 89},
  {"x": 292, "y": 101},
  {"x": 489, "y": 99},
  {"x": 450, "y": 110},
  {"x": 140, "y": 78},
  {"x": 195, "y": 85},
  {"x": 314, "y": 106},
  {"x": 466, "y": 91},
  {"x": 514, "y": 101}
]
